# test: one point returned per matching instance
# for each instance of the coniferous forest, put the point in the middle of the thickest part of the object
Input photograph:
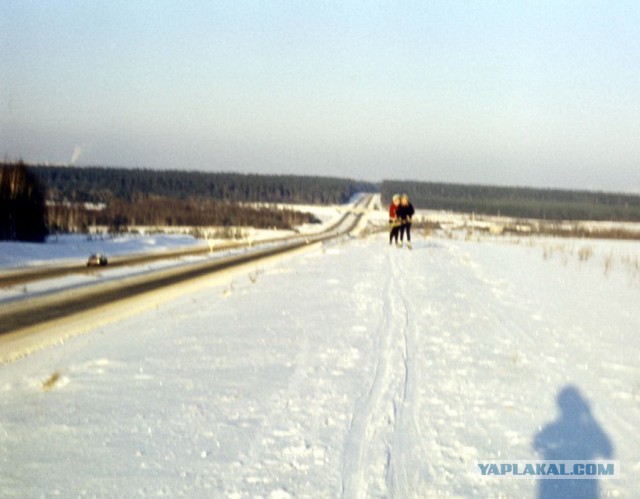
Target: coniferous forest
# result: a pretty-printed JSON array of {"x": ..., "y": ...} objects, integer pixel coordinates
[
  {"x": 94, "y": 184},
  {"x": 518, "y": 202}
]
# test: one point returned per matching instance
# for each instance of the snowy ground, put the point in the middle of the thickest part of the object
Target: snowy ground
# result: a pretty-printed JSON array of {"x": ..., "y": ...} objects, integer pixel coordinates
[{"x": 355, "y": 370}]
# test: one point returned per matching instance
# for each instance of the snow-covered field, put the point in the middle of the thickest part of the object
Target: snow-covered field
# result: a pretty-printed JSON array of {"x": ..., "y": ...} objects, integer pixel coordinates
[{"x": 352, "y": 370}]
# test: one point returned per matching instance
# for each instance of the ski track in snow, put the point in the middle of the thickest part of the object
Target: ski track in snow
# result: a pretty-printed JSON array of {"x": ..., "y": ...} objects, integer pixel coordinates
[
  {"x": 369, "y": 451},
  {"x": 353, "y": 371}
]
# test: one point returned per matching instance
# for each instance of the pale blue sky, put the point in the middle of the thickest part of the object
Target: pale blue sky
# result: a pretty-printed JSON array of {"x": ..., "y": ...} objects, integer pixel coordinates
[{"x": 542, "y": 93}]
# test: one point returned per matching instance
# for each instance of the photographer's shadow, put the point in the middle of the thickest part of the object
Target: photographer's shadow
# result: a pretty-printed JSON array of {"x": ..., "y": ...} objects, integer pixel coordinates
[{"x": 575, "y": 435}]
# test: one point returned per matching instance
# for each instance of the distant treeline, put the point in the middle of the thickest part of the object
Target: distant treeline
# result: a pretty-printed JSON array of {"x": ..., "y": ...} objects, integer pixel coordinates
[
  {"x": 97, "y": 184},
  {"x": 545, "y": 204},
  {"x": 128, "y": 197},
  {"x": 159, "y": 211}
]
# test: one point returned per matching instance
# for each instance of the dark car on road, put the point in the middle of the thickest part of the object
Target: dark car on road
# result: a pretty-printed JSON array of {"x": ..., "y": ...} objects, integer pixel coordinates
[{"x": 97, "y": 260}]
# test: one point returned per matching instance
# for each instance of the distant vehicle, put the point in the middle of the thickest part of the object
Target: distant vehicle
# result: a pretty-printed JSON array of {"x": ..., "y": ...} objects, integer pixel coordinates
[{"x": 97, "y": 260}]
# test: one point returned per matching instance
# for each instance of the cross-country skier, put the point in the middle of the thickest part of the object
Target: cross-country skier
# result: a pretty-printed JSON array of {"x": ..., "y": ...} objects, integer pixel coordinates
[
  {"x": 394, "y": 223},
  {"x": 404, "y": 212}
]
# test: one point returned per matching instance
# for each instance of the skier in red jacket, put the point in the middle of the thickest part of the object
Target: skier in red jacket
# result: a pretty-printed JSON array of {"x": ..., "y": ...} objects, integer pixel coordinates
[{"x": 394, "y": 222}]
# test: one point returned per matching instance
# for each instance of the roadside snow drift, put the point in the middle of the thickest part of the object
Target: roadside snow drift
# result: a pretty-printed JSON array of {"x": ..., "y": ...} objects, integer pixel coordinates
[{"x": 355, "y": 370}]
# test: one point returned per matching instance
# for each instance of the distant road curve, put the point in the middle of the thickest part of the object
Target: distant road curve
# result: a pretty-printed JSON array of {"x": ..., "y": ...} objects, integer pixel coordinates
[{"x": 16, "y": 317}]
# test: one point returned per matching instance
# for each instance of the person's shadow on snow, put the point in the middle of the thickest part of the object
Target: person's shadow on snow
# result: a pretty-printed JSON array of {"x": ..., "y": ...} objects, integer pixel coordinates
[{"x": 575, "y": 435}]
